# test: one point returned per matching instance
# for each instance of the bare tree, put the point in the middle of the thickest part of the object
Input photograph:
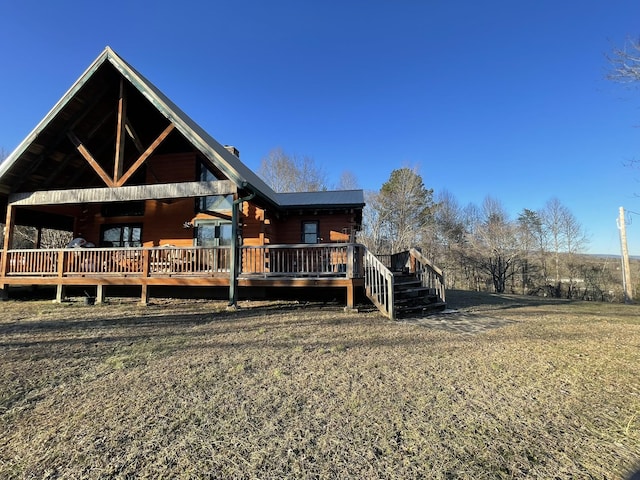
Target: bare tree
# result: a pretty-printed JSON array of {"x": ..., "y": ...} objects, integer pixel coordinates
[
  {"x": 566, "y": 238},
  {"x": 348, "y": 181},
  {"x": 372, "y": 227},
  {"x": 533, "y": 244},
  {"x": 492, "y": 245},
  {"x": 625, "y": 68},
  {"x": 290, "y": 173},
  {"x": 625, "y": 63}
]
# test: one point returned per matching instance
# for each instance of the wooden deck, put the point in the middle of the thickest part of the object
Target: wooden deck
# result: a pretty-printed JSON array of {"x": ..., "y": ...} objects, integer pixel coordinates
[{"x": 284, "y": 266}]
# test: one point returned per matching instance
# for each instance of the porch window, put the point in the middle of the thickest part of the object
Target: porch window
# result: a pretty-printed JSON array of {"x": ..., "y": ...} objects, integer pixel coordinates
[
  {"x": 310, "y": 232},
  {"x": 213, "y": 234},
  {"x": 123, "y": 235}
]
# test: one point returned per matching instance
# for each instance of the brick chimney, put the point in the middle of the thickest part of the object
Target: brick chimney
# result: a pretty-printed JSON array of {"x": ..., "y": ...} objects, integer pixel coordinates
[{"x": 233, "y": 150}]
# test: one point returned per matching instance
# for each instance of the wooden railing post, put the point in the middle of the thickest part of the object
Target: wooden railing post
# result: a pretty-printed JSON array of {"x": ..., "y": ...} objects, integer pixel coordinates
[
  {"x": 350, "y": 261},
  {"x": 146, "y": 262}
]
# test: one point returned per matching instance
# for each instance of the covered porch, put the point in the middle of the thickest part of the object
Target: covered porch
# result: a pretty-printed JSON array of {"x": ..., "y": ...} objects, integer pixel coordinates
[{"x": 319, "y": 265}]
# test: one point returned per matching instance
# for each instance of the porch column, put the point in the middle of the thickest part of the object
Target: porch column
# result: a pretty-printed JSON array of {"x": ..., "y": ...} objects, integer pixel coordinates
[
  {"x": 235, "y": 249},
  {"x": 8, "y": 240},
  {"x": 233, "y": 268}
]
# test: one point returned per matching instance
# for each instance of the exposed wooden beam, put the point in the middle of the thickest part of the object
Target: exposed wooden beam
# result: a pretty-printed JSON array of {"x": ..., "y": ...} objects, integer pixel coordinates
[
  {"x": 105, "y": 118},
  {"x": 118, "y": 166},
  {"x": 63, "y": 134},
  {"x": 124, "y": 194},
  {"x": 145, "y": 155},
  {"x": 134, "y": 136},
  {"x": 89, "y": 158}
]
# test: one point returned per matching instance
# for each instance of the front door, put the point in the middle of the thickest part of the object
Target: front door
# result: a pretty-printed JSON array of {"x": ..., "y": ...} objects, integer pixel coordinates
[
  {"x": 213, "y": 233},
  {"x": 216, "y": 235}
]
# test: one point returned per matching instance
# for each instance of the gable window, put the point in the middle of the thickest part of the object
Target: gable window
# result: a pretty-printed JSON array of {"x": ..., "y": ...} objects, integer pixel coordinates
[
  {"x": 310, "y": 232},
  {"x": 122, "y": 235},
  {"x": 212, "y": 203}
]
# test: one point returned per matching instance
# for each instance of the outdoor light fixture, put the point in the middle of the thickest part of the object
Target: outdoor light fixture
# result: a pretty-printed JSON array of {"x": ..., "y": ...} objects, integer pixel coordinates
[{"x": 187, "y": 224}]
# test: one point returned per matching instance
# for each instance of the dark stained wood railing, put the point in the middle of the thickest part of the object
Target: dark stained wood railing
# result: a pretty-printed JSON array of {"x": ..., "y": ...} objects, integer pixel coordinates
[
  {"x": 379, "y": 278},
  {"x": 430, "y": 275}
]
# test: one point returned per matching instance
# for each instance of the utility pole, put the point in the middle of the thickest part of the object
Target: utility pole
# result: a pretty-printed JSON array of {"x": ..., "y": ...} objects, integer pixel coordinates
[{"x": 626, "y": 270}]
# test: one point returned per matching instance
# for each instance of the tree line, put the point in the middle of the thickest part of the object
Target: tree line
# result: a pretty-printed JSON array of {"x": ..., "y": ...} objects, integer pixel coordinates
[{"x": 541, "y": 252}]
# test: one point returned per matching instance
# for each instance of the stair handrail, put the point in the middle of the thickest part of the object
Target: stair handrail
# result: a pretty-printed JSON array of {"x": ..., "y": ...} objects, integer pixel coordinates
[
  {"x": 378, "y": 283},
  {"x": 430, "y": 275}
]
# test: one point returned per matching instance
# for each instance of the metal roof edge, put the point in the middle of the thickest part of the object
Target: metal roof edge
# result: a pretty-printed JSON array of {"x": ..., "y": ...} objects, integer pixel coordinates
[{"x": 297, "y": 199}]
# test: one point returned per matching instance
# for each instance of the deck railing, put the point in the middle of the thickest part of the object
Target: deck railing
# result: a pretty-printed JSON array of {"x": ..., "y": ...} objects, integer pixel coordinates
[
  {"x": 303, "y": 260},
  {"x": 430, "y": 275},
  {"x": 118, "y": 261},
  {"x": 337, "y": 260},
  {"x": 378, "y": 283}
]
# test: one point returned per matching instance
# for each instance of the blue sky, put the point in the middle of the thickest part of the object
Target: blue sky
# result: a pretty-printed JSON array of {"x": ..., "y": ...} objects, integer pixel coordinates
[{"x": 505, "y": 98}]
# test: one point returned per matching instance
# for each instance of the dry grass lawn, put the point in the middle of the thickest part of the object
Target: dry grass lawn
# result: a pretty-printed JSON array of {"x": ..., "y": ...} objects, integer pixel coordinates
[{"x": 512, "y": 387}]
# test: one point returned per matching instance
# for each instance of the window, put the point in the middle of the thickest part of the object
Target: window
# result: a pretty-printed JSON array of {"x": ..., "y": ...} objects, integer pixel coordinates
[
  {"x": 213, "y": 203},
  {"x": 213, "y": 233},
  {"x": 310, "y": 232},
  {"x": 124, "y": 235}
]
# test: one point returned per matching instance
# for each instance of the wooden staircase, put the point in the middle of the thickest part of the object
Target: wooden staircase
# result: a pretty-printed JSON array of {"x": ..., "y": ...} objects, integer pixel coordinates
[
  {"x": 404, "y": 284},
  {"x": 411, "y": 298}
]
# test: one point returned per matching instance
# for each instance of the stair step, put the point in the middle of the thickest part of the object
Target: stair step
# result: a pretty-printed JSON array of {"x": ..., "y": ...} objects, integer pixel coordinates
[
  {"x": 405, "y": 312},
  {"x": 426, "y": 300},
  {"x": 413, "y": 290}
]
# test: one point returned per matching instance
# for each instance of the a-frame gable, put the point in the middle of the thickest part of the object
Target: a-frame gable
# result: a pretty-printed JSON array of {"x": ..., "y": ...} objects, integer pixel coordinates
[{"x": 103, "y": 130}]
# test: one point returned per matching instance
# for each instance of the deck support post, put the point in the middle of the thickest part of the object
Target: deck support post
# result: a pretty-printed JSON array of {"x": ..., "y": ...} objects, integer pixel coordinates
[
  {"x": 350, "y": 296},
  {"x": 100, "y": 293},
  {"x": 144, "y": 295},
  {"x": 60, "y": 294}
]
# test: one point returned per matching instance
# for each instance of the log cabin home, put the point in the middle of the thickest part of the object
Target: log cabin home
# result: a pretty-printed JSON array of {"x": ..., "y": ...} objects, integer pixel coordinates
[{"x": 153, "y": 200}]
